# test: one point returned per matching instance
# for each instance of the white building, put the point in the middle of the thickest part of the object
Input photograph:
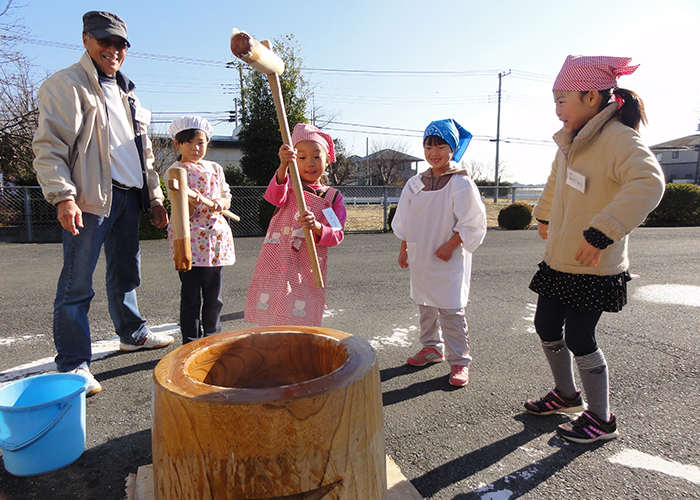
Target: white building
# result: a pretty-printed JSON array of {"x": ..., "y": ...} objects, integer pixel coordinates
[{"x": 679, "y": 159}]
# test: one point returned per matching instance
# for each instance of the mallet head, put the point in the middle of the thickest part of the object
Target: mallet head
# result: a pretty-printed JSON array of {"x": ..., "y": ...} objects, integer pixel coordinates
[{"x": 249, "y": 50}]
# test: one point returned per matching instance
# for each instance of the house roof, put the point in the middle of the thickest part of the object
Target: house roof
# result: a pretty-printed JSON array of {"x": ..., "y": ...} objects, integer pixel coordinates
[
  {"x": 688, "y": 142},
  {"x": 224, "y": 140},
  {"x": 389, "y": 153}
]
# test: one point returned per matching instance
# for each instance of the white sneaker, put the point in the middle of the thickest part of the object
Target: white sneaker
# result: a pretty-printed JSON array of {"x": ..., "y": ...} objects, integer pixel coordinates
[
  {"x": 153, "y": 340},
  {"x": 93, "y": 385}
]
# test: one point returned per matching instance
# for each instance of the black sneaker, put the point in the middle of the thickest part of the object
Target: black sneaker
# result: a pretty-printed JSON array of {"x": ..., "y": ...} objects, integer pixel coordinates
[
  {"x": 588, "y": 428},
  {"x": 555, "y": 402}
]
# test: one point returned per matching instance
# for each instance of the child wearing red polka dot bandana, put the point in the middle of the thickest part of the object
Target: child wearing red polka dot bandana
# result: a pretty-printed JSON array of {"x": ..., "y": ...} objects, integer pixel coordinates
[{"x": 604, "y": 181}]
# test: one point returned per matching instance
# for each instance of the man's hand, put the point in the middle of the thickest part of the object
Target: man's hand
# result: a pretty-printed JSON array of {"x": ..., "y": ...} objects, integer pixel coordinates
[
  {"x": 160, "y": 216},
  {"x": 542, "y": 230},
  {"x": 70, "y": 216}
]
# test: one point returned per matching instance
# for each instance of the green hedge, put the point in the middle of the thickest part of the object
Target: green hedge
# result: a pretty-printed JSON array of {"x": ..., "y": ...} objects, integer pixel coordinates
[
  {"x": 148, "y": 231},
  {"x": 680, "y": 206},
  {"x": 515, "y": 216}
]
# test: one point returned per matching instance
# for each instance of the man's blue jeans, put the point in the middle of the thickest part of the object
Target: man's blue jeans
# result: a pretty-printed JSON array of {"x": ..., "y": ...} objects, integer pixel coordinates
[{"x": 120, "y": 235}]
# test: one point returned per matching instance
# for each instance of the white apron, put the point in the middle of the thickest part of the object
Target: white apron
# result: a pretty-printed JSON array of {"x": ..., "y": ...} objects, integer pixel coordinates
[{"x": 428, "y": 219}]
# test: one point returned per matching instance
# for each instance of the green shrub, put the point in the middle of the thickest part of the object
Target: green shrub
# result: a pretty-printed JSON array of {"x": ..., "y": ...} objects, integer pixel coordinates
[
  {"x": 390, "y": 216},
  {"x": 148, "y": 231},
  {"x": 515, "y": 216},
  {"x": 680, "y": 206},
  {"x": 265, "y": 212}
]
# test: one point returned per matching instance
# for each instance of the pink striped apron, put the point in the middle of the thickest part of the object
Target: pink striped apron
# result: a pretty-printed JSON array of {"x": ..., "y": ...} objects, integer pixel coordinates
[{"x": 283, "y": 291}]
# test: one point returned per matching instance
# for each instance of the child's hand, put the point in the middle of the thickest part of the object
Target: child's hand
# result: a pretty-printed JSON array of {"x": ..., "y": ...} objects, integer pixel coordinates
[
  {"x": 308, "y": 221},
  {"x": 542, "y": 230},
  {"x": 287, "y": 154},
  {"x": 216, "y": 207},
  {"x": 444, "y": 252},
  {"x": 588, "y": 255},
  {"x": 447, "y": 249},
  {"x": 403, "y": 259},
  {"x": 193, "y": 202},
  {"x": 197, "y": 199},
  {"x": 219, "y": 204}
]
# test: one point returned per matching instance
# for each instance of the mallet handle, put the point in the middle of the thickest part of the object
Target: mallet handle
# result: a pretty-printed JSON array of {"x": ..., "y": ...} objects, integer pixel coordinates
[
  {"x": 209, "y": 203},
  {"x": 274, "y": 80}
]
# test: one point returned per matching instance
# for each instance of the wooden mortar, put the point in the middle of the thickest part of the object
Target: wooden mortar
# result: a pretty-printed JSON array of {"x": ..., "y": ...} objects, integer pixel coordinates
[{"x": 268, "y": 413}]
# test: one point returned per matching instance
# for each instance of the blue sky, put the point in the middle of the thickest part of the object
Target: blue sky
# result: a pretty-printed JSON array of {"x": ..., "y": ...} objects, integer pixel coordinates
[{"x": 397, "y": 65}]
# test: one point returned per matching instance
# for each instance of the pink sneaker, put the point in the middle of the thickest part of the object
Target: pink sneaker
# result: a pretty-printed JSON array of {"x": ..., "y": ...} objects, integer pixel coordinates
[
  {"x": 459, "y": 375},
  {"x": 426, "y": 356}
]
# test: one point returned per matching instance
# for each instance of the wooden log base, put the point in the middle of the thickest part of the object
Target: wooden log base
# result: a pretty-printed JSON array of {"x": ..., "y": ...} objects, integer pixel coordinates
[
  {"x": 139, "y": 485},
  {"x": 269, "y": 413}
]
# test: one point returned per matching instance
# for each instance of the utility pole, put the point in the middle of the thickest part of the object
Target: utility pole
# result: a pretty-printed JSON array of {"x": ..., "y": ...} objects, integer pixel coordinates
[
  {"x": 367, "y": 165},
  {"x": 240, "y": 76},
  {"x": 498, "y": 134}
]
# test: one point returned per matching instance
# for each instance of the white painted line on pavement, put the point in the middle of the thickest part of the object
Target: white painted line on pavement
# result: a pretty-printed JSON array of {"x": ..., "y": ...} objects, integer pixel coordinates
[
  {"x": 100, "y": 349},
  {"x": 400, "y": 338},
  {"x": 5, "y": 342},
  {"x": 531, "y": 318},
  {"x": 329, "y": 313},
  {"x": 639, "y": 460},
  {"x": 684, "y": 295}
]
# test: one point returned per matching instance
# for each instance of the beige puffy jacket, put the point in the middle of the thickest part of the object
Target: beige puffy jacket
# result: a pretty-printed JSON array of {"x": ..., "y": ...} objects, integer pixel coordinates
[
  {"x": 623, "y": 183},
  {"x": 71, "y": 145}
]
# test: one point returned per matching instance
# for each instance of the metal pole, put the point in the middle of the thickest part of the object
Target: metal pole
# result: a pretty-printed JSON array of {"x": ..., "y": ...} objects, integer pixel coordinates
[
  {"x": 367, "y": 165},
  {"x": 498, "y": 134},
  {"x": 28, "y": 214}
]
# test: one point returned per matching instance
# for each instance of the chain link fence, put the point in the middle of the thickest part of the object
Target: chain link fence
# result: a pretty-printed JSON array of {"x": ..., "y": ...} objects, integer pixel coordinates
[{"x": 26, "y": 217}]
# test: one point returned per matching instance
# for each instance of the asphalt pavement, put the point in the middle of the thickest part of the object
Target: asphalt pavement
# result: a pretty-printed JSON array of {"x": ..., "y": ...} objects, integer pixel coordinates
[{"x": 452, "y": 443}]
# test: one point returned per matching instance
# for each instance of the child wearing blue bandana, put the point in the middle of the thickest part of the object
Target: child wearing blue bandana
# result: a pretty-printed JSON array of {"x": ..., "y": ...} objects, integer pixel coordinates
[{"x": 440, "y": 221}]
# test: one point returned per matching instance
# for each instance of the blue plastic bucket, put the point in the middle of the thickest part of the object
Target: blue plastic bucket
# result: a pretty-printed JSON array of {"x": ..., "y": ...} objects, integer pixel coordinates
[{"x": 42, "y": 422}]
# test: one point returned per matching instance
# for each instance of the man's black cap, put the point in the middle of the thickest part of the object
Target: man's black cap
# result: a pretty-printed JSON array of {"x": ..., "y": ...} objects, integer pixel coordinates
[{"x": 101, "y": 24}]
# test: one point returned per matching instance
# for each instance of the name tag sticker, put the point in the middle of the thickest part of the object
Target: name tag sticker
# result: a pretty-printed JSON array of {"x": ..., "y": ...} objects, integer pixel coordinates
[
  {"x": 332, "y": 219},
  {"x": 416, "y": 185},
  {"x": 142, "y": 115},
  {"x": 576, "y": 180}
]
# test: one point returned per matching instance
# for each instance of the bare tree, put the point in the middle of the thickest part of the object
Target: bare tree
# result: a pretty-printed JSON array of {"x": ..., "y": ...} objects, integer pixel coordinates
[
  {"x": 483, "y": 171},
  {"x": 164, "y": 152},
  {"x": 19, "y": 114},
  {"x": 478, "y": 170},
  {"x": 387, "y": 164},
  {"x": 344, "y": 170}
]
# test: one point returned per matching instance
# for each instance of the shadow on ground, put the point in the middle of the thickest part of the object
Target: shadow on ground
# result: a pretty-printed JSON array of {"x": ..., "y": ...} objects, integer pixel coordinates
[{"x": 100, "y": 473}]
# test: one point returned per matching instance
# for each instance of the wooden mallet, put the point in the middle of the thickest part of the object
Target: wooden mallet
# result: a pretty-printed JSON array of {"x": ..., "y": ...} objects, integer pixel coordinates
[
  {"x": 260, "y": 56},
  {"x": 180, "y": 218},
  {"x": 179, "y": 192}
]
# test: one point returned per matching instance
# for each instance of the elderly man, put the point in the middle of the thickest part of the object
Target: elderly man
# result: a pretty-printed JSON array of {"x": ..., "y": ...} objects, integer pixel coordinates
[{"x": 95, "y": 164}]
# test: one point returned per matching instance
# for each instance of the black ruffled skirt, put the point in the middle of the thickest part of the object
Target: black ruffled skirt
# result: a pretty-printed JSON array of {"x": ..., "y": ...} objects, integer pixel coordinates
[{"x": 588, "y": 292}]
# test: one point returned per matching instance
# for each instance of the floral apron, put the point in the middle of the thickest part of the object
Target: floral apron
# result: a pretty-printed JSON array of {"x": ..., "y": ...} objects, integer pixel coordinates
[{"x": 210, "y": 235}]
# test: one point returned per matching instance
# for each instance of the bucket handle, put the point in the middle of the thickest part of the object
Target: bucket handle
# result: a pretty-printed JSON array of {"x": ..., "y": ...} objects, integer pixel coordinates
[{"x": 20, "y": 446}]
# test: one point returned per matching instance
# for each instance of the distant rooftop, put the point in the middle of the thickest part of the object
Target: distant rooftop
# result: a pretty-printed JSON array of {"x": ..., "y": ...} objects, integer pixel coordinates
[{"x": 688, "y": 142}]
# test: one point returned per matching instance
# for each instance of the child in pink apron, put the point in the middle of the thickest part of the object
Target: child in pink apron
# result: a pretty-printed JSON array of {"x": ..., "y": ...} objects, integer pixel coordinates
[
  {"x": 283, "y": 290},
  {"x": 210, "y": 235}
]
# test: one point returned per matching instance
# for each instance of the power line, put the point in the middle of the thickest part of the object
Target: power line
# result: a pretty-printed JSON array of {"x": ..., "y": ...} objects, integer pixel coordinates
[
  {"x": 365, "y": 72},
  {"x": 142, "y": 55},
  {"x": 227, "y": 64},
  {"x": 222, "y": 116}
]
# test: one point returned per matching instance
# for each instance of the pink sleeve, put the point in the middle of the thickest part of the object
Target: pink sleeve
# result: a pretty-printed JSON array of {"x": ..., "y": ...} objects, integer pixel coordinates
[{"x": 277, "y": 193}]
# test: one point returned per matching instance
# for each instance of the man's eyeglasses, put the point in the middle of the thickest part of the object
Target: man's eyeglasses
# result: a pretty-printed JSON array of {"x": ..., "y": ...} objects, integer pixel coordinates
[{"x": 106, "y": 43}]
